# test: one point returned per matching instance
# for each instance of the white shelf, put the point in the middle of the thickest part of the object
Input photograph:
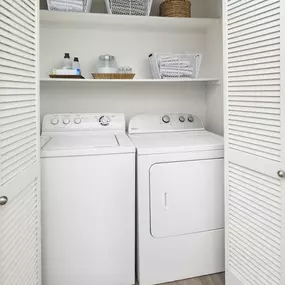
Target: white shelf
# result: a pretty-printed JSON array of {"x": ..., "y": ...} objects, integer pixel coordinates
[
  {"x": 92, "y": 21},
  {"x": 94, "y": 81}
]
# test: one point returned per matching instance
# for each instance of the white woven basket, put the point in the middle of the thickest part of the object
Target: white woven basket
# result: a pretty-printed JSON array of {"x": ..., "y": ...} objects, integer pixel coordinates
[
  {"x": 171, "y": 66},
  {"x": 129, "y": 7},
  {"x": 70, "y": 5}
]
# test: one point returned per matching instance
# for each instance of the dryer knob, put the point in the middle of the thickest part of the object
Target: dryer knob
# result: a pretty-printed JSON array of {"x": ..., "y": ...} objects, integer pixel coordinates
[
  {"x": 104, "y": 120},
  {"x": 182, "y": 119},
  {"x": 54, "y": 121},
  {"x": 191, "y": 119},
  {"x": 66, "y": 121},
  {"x": 166, "y": 119}
]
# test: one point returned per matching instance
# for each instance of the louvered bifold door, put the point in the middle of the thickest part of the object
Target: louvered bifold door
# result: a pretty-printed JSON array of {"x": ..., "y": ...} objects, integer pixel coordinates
[
  {"x": 19, "y": 151},
  {"x": 254, "y": 78}
]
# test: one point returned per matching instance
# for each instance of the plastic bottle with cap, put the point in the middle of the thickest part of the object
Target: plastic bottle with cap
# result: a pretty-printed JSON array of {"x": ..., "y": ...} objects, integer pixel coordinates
[
  {"x": 67, "y": 62},
  {"x": 76, "y": 65}
]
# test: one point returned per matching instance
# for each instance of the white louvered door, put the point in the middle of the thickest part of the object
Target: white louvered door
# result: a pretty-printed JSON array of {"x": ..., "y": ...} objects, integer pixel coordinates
[
  {"x": 19, "y": 144},
  {"x": 254, "y": 69}
]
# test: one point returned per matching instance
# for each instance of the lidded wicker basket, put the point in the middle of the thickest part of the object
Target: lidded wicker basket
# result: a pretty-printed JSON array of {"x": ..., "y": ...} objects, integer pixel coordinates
[{"x": 175, "y": 8}]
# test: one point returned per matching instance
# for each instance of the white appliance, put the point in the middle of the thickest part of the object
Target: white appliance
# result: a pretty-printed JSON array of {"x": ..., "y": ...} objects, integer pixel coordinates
[
  {"x": 180, "y": 215},
  {"x": 88, "y": 200}
]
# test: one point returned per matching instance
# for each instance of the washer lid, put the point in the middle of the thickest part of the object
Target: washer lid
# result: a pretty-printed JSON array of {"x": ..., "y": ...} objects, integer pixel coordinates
[
  {"x": 68, "y": 145},
  {"x": 81, "y": 142},
  {"x": 177, "y": 142}
]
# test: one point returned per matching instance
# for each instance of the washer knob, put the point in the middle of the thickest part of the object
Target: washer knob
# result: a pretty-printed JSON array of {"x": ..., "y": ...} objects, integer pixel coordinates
[
  {"x": 166, "y": 119},
  {"x": 182, "y": 119},
  {"x": 66, "y": 121},
  {"x": 54, "y": 121},
  {"x": 104, "y": 120},
  {"x": 191, "y": 119},
  {"x": 77, "y": 121}
]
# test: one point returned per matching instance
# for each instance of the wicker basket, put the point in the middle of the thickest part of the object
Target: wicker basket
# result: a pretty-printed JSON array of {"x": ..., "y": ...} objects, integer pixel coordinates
[
  {"x": 129, "y": 7},
  {"x": 113, "y": 75},
  {"x": 70, "y": 5},
  {"x": 175, "y": 8}
]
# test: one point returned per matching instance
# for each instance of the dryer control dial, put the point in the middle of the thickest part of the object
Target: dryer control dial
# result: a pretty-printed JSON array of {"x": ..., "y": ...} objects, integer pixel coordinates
[
  {"x": 54, "y": 121},
  {"x": 104, "y": 120},
  {"x": 66, "y": 121},
  {"x": 191, "y": 119},
  {"x": 182, "y": 119},
  {"x": 166, "y": 119},
  {"x": 77, "y": 121}
]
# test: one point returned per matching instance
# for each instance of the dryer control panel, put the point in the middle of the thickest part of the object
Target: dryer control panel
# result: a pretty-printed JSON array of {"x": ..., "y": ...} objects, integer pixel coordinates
[
  {"x": 169, "y": 122},
  {"x": 83, "y": 122}
]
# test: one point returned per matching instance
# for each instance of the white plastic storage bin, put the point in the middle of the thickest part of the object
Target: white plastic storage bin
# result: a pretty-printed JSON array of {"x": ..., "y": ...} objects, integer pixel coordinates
[
  {"x": 129, "y": 7},
  {"x": 171, "y": 66},
  {"x": 70, "y": 5}
]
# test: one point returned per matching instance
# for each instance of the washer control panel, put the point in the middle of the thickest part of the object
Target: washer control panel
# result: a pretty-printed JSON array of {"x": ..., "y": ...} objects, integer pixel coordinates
[
  {"x": 83, "y": 122},
  {"x": 150, "y": 123}
]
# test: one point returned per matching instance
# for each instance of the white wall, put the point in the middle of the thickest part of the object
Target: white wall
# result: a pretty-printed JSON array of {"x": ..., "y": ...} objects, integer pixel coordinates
[
  {"x": 130, "y": 99},
  {"x": 214, "y": 97}
]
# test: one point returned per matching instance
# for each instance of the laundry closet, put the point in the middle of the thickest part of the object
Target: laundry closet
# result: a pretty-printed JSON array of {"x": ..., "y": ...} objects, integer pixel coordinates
[
  {"x": 238, "y": 94},
  {"x": 131, "y": 40}
]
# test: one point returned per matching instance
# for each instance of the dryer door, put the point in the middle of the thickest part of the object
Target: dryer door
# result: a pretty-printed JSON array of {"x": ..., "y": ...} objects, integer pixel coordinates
[{"x": 186, "y": 197}]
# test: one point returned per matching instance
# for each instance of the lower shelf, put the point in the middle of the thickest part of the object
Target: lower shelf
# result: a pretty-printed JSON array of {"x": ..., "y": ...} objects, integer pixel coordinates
[{"x": 205, "y": 80}]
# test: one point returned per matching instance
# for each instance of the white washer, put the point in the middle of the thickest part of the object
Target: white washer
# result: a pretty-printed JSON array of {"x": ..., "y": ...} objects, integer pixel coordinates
[
  {"x": 180, "y": 198},
  {"x": 88, "y": 200}
]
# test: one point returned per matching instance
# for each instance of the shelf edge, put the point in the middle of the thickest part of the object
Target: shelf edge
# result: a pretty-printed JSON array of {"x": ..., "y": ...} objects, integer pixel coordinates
[{"x": 52, "y": 18}]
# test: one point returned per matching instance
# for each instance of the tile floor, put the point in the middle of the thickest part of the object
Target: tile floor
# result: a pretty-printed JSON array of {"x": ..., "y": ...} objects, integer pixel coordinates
[{"x": 215, "y": 279}]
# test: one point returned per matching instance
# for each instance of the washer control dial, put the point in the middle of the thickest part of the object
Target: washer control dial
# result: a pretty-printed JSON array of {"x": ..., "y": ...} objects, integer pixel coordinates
[
  {"x": 166, "y": 119},
  {"x": 104, "y": 120},
  {"x": 54, "y": 121},
  {"x": 66, "y": 121},
  {"x": 182, "y": 119},
  {"x": 191, "y": 119},
  {"x": 77, "y": 121}
]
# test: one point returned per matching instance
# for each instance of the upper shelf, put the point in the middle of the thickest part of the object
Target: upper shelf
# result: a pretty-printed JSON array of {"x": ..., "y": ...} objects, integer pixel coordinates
[{"x": 92, "y": 20}]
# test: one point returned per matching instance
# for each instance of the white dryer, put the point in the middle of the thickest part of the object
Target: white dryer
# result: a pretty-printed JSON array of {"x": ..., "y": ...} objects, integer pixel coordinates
[
  {"x": 180, "y": 198},
  {"x": 88, "y": 200}
]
